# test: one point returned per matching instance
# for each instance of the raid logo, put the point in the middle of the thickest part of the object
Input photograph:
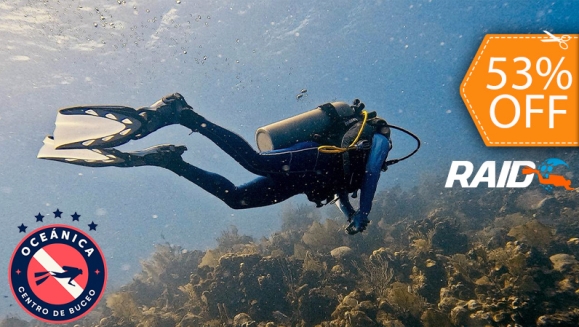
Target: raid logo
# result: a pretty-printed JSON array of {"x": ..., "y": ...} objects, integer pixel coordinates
[
  {"x": 549, "y": 174},
  {"x": 57, "y": 273}
]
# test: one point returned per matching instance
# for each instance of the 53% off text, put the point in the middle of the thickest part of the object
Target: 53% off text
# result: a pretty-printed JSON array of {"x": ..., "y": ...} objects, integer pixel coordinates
[{"x": 548, "y": 101}]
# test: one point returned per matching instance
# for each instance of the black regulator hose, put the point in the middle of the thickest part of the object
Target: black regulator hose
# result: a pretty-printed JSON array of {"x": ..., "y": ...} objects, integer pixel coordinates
[{"x": 393, "y": 161}]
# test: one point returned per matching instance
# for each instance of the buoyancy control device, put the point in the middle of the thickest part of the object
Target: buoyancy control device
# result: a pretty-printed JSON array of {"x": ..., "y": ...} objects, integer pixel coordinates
[{"x": 331, "y": 125}]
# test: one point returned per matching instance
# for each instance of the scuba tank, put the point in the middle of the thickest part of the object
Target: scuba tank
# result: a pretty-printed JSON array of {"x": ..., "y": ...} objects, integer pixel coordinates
[{"x": 317, "y": 125}]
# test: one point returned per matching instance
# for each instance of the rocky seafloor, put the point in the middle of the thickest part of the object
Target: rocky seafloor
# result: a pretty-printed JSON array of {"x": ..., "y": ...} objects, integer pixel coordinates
[{"x": 431, "y": 257}]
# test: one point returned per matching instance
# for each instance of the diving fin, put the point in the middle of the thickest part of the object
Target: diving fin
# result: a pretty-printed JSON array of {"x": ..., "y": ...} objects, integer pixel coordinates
[
  {"x": 83, "y": 157},
  {"x": 93, "y": 127},
  {"x": 41, "y": 280},
  {"x": 158, "y": 155}
]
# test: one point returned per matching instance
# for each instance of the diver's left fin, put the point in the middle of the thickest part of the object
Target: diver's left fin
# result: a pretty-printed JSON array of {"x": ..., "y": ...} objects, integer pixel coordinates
[{"x": 83, "y": 157}]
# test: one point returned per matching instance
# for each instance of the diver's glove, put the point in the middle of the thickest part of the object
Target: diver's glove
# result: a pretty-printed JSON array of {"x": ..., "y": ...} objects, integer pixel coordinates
[
  {"x": 358, "y": 223},
  {"x": 363, "y": 145}
]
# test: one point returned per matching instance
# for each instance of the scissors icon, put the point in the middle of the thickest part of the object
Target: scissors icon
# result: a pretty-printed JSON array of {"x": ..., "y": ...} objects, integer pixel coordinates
[{"x": 562, "y": 40}]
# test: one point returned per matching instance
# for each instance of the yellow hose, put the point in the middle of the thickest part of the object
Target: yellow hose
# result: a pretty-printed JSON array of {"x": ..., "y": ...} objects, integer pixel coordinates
[{"x": 337, "y": 149}]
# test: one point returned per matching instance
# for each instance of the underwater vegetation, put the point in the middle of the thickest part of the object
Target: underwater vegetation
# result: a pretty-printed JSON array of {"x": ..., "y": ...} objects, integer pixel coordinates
[{"x": 431, "y": 257}]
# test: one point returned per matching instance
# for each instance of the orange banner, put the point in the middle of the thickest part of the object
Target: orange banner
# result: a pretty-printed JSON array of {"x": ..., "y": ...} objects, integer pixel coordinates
[{"x": 522, "y": 90}]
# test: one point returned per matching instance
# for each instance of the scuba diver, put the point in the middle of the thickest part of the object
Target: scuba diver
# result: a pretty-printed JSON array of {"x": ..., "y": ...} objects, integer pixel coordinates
[
  {"x": 326, "y": 153},
  {"x": 69, "y": 272}
]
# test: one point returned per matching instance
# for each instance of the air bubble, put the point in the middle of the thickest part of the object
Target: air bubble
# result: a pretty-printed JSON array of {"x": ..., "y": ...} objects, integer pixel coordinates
[{"x": 178, "y": 2}]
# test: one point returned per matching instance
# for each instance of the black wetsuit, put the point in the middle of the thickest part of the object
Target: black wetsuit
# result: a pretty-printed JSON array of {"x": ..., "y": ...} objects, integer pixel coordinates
[{"x": 283, "y": 173}]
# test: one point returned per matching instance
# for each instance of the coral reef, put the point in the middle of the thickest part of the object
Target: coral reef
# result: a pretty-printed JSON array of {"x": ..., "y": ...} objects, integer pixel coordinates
[{"x": 477, "y": 257}]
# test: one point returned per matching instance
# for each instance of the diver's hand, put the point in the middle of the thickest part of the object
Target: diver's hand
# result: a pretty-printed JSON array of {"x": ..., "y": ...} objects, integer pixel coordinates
[
  {"x": 363, "y": 145},
  {"x": 358, "y": 223}
]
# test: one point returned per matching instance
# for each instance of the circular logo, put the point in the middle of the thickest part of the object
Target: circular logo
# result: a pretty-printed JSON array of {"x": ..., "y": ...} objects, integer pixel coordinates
[{"x": 57, "y": 273}]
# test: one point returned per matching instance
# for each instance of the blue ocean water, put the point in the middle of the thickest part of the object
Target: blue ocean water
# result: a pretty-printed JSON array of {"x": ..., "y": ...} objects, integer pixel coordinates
[{"x": 241, "y": 65}]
